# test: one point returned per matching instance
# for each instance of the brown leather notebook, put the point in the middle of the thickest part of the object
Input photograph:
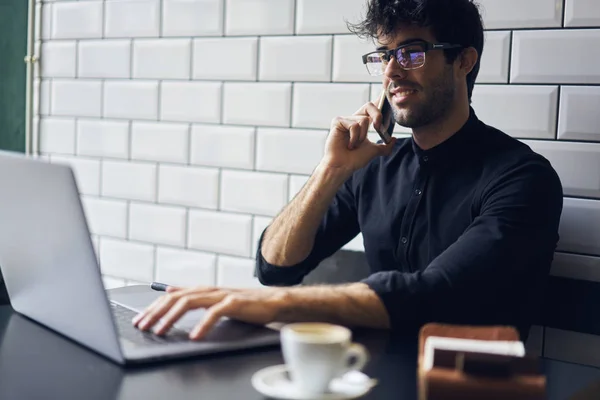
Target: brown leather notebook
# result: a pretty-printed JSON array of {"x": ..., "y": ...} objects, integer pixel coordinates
[{"x": 470, "y": 375}]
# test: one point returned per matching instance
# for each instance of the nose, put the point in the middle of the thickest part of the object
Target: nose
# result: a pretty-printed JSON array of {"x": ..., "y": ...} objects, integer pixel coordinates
[{"x": 394, "y": 71}]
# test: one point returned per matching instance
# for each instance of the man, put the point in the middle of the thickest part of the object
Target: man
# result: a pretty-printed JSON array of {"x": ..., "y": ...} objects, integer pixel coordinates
[{"x": 460, "y": 222}]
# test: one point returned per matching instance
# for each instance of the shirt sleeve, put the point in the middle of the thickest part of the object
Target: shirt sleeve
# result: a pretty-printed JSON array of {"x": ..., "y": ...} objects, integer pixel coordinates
[
  {"x": 338, "y": 226},
  {"x": 506, "y": 251}
]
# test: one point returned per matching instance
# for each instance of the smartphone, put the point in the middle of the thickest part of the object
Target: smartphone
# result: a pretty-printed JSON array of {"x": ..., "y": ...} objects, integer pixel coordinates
[{"x": 387, "y": 122}]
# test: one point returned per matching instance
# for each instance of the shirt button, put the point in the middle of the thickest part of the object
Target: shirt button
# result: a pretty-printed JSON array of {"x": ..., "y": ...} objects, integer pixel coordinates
[
  {"x": 418, "y": 192},
  {"x": 425, "y": 158},
  {"x": 404, "y": 240}
]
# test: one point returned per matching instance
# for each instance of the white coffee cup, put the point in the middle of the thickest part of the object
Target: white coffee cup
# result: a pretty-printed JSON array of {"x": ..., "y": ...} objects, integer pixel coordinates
[{"x": 316, "y": 353}]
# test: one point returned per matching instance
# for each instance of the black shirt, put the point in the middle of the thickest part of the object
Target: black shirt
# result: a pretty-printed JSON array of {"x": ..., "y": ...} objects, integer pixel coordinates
[{"x": 464, "y": 232}]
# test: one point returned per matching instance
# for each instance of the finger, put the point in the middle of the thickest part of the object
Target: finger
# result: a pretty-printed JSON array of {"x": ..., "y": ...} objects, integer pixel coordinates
[
  {"x": 172, "y": 289},
  {"x": 156, "y": 312},
  {"x": 374, "y": 114},
  {"x": 183, "y": 305},
  {"x": 386, "y": 149},
  {"x": 212, "y": 316},
  {"x": 140, "y": 316},
  {"x": 358, "y": 128}
]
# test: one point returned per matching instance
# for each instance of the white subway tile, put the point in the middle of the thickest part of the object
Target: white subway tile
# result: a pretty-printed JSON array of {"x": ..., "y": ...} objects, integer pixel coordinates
[
  {"x": 295, "y": 151},
  {"x": 222, "y": 146},
  {"x": 106, "y": 217},
  {"x": 582, "y": 13},
  {"x": 185, "y": 268},
  {"x": 192, "y": 17},
  {"x": 494, "y": 61},
  {"x": 579, "y": 118},
  {"x": 127, "y": 260},
  {"x": 190, "y": 101},
  {"x": 580, "y": 226},
  {"x": 259, "y": 17},
  {"x": 104, "y": 58},
  {"x": 45, "y": 97},
  {"x": 327, "y": 16},
  {"x": 577, "y": 164},
  {"x": 220, "y": 232},
  {"x": 103, "y": 138},
  {"x": 57, "y": 135},
  {"x": 131, "y": 99},
  {"x": 317, "y": 104},
  {"x": 500, "y": 14},
  {"x": 135, "y": 18},
  {"x": 300, "y": 58},
  {"x": 535, "y": 58},
  {"x": 234, "y": 58},
  {"x": 253, "y": 192},
  {"x": 296, "y": 184},
  {"x": 520, "y": 111},
  {"x": 160, "y": 142},
  {"x": 188, "y": 186},
  {"x": 347, "y": 59},
  {"x": 355, "y": 244},
  {"x": 257, "y": 103},
  {"x": 77, "y": 98},
  {"x": 162, "y": 58},
  {"x": 129, "y": 180},
  {"x": 58, "y": 59},
  {"x": 258, "y": 226},
  {"x": 112, "y": 283},
  {"x": 573, "y": 347},
  {"x": 77, "y": 20},
  {"x": 234, "y": 272},
  {"x": 576, "y": 266},
  {"x": 46, "y": 31},
  {"x": 86, "y": 171},
  {"x": 157, "y": 224}
]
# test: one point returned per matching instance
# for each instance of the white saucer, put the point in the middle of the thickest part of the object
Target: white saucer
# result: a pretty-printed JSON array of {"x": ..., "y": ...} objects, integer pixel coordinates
[{"x": 274, "y": 382}]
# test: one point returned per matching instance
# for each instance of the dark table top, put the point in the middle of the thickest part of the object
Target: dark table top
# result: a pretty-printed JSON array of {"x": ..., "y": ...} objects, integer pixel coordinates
[{"x": 36, "y": 363}]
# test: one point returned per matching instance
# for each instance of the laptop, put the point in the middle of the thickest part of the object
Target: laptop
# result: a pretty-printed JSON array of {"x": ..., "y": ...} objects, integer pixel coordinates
[{"x": 53, "y": 277}]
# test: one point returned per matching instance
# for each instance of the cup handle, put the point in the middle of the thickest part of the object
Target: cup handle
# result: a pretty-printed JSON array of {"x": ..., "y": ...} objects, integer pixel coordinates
[{"x": 362, "y": 357}]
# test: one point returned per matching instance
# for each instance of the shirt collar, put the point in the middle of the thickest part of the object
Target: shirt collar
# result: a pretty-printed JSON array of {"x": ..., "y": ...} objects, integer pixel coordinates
[{"x": 459, "y": 145}]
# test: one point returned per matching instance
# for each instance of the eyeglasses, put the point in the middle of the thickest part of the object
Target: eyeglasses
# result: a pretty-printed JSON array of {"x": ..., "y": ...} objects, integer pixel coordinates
[{"x": 408, "y": 56}]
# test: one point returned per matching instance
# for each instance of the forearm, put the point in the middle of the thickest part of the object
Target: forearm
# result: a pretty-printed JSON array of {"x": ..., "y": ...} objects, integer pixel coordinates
[
  {"x": 354, "y": 305},
  {"x": 290, "y": 237}
]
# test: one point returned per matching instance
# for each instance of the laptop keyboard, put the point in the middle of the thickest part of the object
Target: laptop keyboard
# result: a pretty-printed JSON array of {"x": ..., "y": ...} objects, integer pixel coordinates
[{"x": 123, "y": 317}]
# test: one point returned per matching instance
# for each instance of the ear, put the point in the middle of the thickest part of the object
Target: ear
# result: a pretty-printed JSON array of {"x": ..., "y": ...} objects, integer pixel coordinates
[{"x": 467, "y": 59}]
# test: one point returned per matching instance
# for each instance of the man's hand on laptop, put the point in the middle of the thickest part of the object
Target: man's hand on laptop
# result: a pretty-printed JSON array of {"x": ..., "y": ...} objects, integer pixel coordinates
[{"x": 257, "y": 306}]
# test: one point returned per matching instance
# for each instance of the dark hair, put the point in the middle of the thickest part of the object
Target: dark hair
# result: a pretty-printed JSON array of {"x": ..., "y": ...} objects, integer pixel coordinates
[{"x": 451, "y": 21}]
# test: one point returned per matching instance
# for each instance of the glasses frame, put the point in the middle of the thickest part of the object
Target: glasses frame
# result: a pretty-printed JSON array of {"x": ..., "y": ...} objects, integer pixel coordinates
[{"x": 427, "y": 46}]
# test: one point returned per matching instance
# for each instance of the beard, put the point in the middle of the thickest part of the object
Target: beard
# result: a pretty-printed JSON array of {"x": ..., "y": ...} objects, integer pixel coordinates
[{"x": 438, "y": 98}]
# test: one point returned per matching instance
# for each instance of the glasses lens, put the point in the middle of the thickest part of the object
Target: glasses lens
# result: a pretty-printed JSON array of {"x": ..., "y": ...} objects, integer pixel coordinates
[
  {"x": 375, "y": 64},
  {"x": 411, "y": 57}
]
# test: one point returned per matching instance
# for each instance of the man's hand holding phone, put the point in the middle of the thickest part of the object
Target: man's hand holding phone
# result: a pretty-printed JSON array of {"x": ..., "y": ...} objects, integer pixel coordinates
[{"x": 347, "y": 147}]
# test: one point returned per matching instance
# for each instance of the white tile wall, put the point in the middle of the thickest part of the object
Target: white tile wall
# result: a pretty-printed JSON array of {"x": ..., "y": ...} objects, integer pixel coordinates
[
  {"x": 118, "y": 176},
  {"x": 234, "y": 272},
  {"x": 231, "y": 58},
  {"x": 576, "y": 266},
  {"x": 131, "y": 99},
  {"x": 259, "y": 193},
  {"x": 127, "y": 260},
  {"x": 268, "y": 17},
  {"x": 535, "y": 58},
  {"x": 301, "y": 58},
  {"x": 220, "y": 232},
  {"x": 257, "y": 103},
  {"x": 520, "y": 111},
  {"x": 132, "y": 18},
  {"x": 86, "y": 171},
  {"x": 58, "y": 59},
  {"x": 222, "y": 146},
  {"x": 295, "y": 151},
  {"x": 58, "y": 135},
  {"x": 106, "y": 217},
  {"x": 162, "y": 58},
  {"x": 188, "y": 186},
  {"x": 104, "y": 59},
  {"x": 45, "y": 97},
  {"x": 157, "y": 224},
  {"x": 494, "y": 60},
  {"x": 192, "y": 17},
  {"x": 326, "y": 16},
  {"x": 316, "y": 104},
  {"x": 153, "y": 141},
  {"x": 500, "y": 14},
  {"x": 579, "y": 118},
  {"x": 79, "y": 98},
  {"x": 258, "y": 226},
  {"x": 582, "y": 13},
  {"x": 190, "y": 101},
  {"x": 77, "y": 20},
  {"x": 347, "y": 59},
  {"x": 103, "y": 138},
  {"x": 580, "y": 227},
  {"x": 184, "y": 267},
  {"x": 46, "y": 27}
]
